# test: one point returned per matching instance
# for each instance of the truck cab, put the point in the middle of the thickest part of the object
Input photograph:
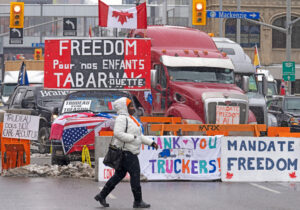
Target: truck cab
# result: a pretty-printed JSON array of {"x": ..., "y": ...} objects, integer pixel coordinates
[{"x": 191, "y": 79}]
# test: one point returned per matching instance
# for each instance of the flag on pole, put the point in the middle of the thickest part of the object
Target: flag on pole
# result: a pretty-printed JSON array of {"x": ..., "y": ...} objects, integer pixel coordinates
[
  {"x": 135, "y": 17},
  {"x": 256, "y": 61},
  {"x": 282, "y": 88},
  {"x": 23, "y": 78},
  {"x": 90, "y": 31}
]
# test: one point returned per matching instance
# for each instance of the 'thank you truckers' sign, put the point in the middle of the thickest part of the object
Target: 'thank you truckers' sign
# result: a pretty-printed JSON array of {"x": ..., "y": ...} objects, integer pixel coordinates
[{"x": 98, "y": 63}]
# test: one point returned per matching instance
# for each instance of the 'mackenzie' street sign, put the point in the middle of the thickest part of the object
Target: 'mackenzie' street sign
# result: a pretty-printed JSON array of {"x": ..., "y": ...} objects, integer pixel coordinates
[
  {"x": 228, "y": 14},
  {"x": 97, "y": 63}
]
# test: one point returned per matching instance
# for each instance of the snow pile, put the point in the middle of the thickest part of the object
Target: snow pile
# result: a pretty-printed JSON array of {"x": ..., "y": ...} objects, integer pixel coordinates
[{"x": 73, "y": 170}]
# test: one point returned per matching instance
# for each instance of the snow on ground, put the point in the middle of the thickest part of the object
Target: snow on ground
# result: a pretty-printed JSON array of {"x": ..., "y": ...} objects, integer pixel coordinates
[{"x": 73, "y": 170}]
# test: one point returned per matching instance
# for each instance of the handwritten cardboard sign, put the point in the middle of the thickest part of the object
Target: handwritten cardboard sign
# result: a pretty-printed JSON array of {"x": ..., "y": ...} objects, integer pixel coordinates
[
  {"x": 20, "y": 126},
  {"x": 228, "y": 115}
]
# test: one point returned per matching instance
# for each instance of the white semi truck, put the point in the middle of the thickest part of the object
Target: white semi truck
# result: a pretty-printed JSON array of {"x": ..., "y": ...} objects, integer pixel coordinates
[{"x": 243, "y": 67}]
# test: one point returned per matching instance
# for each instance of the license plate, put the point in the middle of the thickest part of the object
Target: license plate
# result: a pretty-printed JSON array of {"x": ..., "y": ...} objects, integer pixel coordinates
[{"x": 59, "y": 152}]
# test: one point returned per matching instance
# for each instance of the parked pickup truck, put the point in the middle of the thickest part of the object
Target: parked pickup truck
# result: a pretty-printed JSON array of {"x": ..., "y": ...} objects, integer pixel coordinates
[{"x": 35, "y": 100}]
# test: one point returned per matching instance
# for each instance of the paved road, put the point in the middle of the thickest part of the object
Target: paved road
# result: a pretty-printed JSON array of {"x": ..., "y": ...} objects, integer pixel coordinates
[{"x": 65, "y": 193}]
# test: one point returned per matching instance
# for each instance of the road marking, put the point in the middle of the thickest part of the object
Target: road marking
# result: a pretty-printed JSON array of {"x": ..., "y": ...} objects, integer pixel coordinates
[
  {"x": 264, "y": 188},
  {"x": 110, "y": 195}
]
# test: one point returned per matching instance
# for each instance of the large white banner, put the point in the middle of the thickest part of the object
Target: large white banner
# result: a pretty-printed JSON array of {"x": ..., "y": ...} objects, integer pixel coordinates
[
  {"x": 20, "y": 126},
  {"x": 258, "y": 159},
  {"x": 182, "y": 158}
]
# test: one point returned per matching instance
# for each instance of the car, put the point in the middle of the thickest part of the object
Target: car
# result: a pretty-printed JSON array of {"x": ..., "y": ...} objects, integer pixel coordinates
[
  {"x": 37, "y": 101},
  {"x": 286, "y": 109},
  {"x": 79, "y": 116}
]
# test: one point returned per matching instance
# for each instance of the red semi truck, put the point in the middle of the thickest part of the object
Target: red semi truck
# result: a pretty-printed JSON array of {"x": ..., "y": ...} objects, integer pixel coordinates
[{"x": 191, "y": 79}]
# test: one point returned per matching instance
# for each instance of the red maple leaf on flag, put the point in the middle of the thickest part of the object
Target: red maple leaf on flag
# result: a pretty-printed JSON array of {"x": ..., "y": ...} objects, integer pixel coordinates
[
  {"x": 229, "y": 175},
  {"x": 293, "y": 175},
  {"x": 122, "y": 16}
]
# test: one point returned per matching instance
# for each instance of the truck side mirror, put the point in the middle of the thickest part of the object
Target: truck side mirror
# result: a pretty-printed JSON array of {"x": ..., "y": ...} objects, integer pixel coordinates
[
  {"x": 154, "y": 78},
  {"x": 264, "y": 85},
  {"x": 245, "y": 84}
]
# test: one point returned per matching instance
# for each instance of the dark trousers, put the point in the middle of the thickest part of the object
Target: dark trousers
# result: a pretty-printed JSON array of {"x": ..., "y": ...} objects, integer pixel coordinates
[{"x": 130, "y": 164}]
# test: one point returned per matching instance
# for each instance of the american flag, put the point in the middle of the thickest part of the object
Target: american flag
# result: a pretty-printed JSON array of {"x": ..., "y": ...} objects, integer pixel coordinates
[
  {"x": 57, "y": 127},
  {"x": 81, "y": 131}
]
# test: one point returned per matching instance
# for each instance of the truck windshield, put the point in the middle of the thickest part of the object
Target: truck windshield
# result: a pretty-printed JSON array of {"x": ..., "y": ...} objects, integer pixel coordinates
[
  {"x": 272, "y": 88},
  {"x": 292, "y": 104},
  {"x": 201, "y": 74},
  {"x": 91, "y": 101},
  {"x": 8, "y": 89}
]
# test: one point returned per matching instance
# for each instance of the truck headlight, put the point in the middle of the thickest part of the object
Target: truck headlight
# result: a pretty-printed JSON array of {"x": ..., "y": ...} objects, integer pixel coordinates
[{"x": 53, "y": 117}]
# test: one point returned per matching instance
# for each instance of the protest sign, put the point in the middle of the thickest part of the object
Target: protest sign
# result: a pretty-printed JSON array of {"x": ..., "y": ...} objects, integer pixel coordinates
[
  {"x": 260, "y": 159},
  {"x": 182, "y": 158},
  {"x": 98, "y": 63},
  {"x": 20, "y": 126}
]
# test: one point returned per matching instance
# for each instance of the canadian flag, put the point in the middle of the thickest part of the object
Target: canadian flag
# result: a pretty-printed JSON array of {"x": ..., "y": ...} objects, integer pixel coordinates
[
  {"x": 135, "y": 17},
  {"x": 282, "y": 88}
]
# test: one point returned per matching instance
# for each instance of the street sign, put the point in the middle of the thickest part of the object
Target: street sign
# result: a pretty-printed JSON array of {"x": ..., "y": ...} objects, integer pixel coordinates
[
  {"x": 288, "y": 70},
  {"x": 16, "y": 36},
  {"x": 228, "y": 14},
  {"x": 70, "y": 27},
  {"x": 38, "y": 45},
  {"x": 288, "y": 77}
]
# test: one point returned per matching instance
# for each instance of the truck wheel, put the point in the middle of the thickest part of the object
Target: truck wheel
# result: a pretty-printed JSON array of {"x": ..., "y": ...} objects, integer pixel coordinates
[
  {"x": 44, "y": 135},
  {"x": 59, "y": 161}
]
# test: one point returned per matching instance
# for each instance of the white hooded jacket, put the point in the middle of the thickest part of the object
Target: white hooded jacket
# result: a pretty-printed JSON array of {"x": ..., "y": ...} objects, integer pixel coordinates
[{"x": 120, "y": 137}]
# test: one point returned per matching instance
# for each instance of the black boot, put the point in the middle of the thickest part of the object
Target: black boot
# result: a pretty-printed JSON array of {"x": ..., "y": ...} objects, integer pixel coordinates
[
  {"x": 102, "y": 195},
  {"x": 140, "y": 204},
  {"x": 138, "y": 201}
]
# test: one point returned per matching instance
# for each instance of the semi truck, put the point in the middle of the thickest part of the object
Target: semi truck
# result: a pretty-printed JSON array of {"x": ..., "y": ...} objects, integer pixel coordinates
[
  {"x": 257, "y": 90},
  {"x": 35, "y": 72},
  {"x": 191, "y": 79}
]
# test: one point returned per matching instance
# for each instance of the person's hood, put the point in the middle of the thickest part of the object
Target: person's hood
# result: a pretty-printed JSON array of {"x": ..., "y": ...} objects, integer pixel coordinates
[{"x": 120, "y": 105}]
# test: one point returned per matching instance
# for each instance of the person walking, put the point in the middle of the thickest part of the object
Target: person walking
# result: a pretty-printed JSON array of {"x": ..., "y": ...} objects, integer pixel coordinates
[{"x": 128, "y": 136}]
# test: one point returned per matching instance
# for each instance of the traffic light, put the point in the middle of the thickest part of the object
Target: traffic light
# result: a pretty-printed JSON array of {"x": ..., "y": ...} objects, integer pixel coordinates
[
  {"x": 16, "y": 15},
  {"x": 38, "y": 54},
  {"x": 199, "y": 12}
]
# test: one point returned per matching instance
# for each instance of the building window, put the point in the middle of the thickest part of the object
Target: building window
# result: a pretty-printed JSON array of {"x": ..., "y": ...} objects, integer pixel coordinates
[
  {"x": 250, "y": 32},
  {"x": 279, "y": 38}
]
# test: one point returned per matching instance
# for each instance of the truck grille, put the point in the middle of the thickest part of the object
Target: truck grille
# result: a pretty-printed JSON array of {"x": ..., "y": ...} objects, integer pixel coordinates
[
  {"x": 212, "y": 107},
  {"x": 258, "y": 113}
]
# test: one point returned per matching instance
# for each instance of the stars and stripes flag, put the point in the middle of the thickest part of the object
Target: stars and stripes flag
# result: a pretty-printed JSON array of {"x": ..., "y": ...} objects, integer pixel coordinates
[
  {"x": 57, "y": 127},
  {"x": 135, "y": 17},
  {"x": 81, "y": 131}
]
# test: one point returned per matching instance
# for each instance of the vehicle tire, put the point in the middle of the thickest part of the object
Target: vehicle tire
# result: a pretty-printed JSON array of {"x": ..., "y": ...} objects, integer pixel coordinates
[
  {"x": 44, "y": 134},
  {"x": 61, "y": 161}
]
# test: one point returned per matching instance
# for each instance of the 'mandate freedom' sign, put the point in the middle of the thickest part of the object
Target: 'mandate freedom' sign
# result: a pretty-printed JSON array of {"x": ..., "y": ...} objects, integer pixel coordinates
[{"x": 98, "y": 63}]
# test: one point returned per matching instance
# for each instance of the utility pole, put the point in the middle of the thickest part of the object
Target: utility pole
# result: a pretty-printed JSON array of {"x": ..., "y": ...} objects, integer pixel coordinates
[
  {"x": 238, "y": 24},
  {"x": 221, "y": 19},
  {"x": 289, "y": 27},
  {"x": 164, "y": 13}
]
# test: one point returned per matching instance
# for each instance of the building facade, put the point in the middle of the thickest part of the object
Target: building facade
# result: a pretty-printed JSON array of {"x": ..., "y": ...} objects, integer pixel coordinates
[{"x": 271, "y": 43}]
